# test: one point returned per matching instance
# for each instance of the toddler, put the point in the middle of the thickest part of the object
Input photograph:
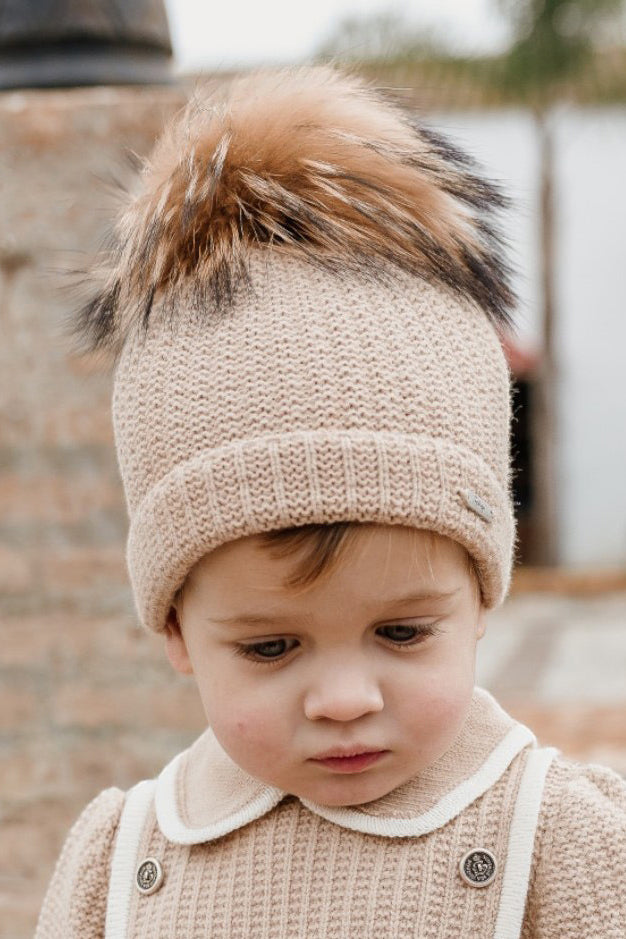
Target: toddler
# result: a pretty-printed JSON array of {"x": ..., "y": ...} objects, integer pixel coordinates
[{"x": 311, "y": 408}]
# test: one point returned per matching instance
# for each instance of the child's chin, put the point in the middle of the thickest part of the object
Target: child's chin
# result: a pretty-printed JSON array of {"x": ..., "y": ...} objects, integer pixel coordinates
[{"x": 348, "y": 792}]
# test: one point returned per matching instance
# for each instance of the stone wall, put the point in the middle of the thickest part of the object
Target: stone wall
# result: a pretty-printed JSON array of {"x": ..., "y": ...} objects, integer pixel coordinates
[{"x": 80, "y": 683}]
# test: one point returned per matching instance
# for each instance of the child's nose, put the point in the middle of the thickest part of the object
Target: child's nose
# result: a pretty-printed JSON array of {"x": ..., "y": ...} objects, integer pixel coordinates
[{"x": 342, "y": 693}]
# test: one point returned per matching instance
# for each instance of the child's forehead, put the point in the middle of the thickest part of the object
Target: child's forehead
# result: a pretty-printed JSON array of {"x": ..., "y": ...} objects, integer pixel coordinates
[{"x": 379, "y": 558}]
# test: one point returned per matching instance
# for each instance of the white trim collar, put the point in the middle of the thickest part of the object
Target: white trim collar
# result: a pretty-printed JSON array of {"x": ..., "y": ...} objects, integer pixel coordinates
[
  {"x": 447, "y": 808},
  {"x": 232, "y": 798},
  {"x": 172, "y": 825}
]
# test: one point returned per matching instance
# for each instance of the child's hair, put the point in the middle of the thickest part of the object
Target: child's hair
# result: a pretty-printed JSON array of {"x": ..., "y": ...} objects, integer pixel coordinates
[{"x": 320, "y": 548}]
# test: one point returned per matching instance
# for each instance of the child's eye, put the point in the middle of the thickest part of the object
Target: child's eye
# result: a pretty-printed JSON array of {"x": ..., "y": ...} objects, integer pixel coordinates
[
  {"x": 406, "y": 633},
  {"x": 268, "y": 651}
]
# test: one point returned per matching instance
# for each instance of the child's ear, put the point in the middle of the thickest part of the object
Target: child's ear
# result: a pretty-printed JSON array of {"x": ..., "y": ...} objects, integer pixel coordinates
[
  {"x": 175, "y": 645},
  {"x": 481, "y": 622}
]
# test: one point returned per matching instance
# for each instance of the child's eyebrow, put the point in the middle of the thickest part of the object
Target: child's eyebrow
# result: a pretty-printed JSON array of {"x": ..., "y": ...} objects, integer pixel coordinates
[{"x": 264, "y": 619}]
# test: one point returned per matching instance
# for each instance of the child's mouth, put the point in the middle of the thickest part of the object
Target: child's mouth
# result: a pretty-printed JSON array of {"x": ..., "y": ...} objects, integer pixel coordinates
[{"x": 353, "y": 763}]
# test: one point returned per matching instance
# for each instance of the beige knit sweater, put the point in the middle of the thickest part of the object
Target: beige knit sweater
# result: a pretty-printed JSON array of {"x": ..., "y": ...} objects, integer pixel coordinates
[{"x": 241, "y": 859}]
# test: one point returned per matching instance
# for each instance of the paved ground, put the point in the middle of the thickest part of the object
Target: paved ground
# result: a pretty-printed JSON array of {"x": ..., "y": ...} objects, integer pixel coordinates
[{"x": 559, "y": 664}]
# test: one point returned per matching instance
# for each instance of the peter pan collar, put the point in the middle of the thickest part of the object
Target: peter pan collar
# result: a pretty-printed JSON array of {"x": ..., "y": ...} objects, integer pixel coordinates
[{"x": 201, "y": 794}]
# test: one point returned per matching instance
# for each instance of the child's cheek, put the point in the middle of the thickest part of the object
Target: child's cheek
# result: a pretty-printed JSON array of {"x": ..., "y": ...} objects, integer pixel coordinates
[
  {"x": 249, "y": 736},
  {"x": 442, "y": 708}
]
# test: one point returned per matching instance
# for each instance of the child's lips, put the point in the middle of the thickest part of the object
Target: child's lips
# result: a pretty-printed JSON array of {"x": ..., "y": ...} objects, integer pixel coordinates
[{"x": 354, "y": 762}]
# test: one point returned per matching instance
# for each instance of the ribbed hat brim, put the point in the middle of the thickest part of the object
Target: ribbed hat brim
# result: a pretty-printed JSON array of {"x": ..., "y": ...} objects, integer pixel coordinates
[{"x": 271, "y": 482}]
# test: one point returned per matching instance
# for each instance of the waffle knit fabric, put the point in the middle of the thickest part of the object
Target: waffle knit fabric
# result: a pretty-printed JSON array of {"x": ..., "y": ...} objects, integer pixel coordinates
[
  {"x": 304, "y": 302},
  {"x": 288, "y": 871}
]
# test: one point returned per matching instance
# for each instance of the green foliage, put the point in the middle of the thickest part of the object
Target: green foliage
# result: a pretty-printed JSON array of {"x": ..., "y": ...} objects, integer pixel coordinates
[
  {"x": 559, "y": 50},
  {"x": 553, "y": 41},
  {"x": 382, "y": 36}
]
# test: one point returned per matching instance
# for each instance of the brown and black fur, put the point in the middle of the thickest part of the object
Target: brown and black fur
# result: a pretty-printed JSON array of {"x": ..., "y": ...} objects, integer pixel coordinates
[{"x": 310, "y": 160}]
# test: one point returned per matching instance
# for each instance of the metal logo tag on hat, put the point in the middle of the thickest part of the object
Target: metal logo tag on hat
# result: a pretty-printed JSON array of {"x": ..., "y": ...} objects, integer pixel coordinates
[
  {"x": 476, "y": 504},
  {"x": 149, "y": 876},
  {"x": 478, "y": 867}
]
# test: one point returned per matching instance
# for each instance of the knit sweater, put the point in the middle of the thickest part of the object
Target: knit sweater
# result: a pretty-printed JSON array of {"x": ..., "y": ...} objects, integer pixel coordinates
[{"x": 242, "y": 859}]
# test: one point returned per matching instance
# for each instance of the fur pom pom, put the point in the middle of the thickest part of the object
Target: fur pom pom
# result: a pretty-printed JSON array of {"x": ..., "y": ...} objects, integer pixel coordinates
[{"x": 310, "y": 160}]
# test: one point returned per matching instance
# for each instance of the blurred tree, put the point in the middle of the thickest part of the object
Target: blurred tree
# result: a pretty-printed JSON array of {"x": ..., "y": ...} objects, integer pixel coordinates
[{"x": 552, "y": 41}]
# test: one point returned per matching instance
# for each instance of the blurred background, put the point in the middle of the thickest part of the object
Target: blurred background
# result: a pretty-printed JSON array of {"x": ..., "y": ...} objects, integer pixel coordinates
[{"x": 536, "y": 90}]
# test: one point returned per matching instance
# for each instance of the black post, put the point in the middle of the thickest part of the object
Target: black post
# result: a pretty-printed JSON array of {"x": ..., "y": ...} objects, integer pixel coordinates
[{"x": 64, "y": 43}]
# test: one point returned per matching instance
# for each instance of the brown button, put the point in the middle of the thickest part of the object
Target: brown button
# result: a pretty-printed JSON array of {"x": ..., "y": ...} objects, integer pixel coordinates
[
  {"x": 478, "y": 867},
  {"x": 149, "y": 876}
]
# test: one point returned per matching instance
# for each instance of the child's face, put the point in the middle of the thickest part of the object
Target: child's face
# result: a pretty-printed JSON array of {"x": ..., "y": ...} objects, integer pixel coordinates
[{"x": 345, "y": 665}]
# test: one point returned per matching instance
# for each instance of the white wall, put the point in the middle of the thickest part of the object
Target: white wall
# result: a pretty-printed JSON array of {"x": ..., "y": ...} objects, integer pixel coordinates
[
  {"x": 591, "y": 291},
  {"x": 590, "y": 187}
]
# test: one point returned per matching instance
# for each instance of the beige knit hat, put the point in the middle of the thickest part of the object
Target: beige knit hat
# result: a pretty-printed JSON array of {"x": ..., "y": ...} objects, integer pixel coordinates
[{"x": 304, "y": 300}]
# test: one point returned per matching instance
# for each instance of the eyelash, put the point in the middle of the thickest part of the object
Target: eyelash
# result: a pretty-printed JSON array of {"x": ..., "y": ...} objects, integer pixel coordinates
[{"x": 251, "y": 651}]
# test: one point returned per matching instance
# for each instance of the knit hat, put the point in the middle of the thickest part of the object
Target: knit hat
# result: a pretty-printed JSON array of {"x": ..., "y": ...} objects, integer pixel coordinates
[{"x": 304, "y": 299}]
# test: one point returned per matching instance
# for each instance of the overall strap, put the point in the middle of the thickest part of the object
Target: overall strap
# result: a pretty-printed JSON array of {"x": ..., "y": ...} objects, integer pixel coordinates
[
  {"x": 125, "y": 860},
  {"x": 521, "y": 843}
]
